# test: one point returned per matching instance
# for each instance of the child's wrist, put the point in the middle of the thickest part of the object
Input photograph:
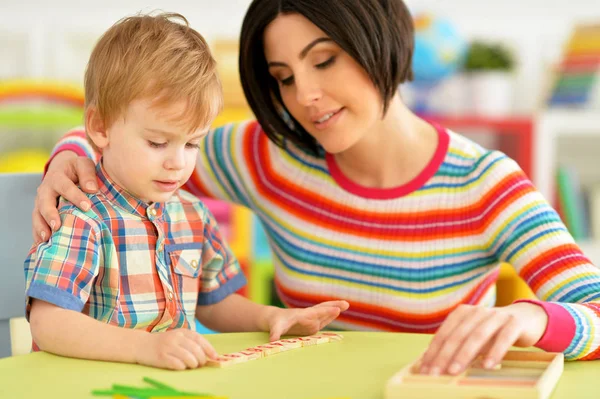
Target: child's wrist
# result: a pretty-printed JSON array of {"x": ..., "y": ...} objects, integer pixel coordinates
[
  {"x": 268, "y": 317},
  {"x": 137, "y": 344}
]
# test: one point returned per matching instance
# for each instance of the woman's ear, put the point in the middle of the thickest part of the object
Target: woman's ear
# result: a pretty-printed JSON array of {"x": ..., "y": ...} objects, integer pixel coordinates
[{"x": 94, "y": 127}]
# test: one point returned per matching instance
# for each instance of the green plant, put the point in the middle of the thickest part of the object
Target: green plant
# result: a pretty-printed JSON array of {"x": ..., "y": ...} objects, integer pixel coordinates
[{"x": 483, "y": 56}]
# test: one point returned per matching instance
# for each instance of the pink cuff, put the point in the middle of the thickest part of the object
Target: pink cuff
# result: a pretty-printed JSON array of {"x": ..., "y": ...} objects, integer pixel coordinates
[
  {"x": 560, "y": 330},
  {"x": 67, "y": 147}
]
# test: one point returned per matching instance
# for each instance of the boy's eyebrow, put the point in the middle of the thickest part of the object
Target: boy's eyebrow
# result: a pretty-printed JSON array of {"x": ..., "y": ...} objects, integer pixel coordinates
[
  {"x": 159, "y": 131},
  {"x": 304, "y": 51},
  {"x": 171, "y": 134}
]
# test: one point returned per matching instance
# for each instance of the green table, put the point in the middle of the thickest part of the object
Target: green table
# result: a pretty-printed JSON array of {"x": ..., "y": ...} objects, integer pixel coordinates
[{"x": 356, "y": 367}]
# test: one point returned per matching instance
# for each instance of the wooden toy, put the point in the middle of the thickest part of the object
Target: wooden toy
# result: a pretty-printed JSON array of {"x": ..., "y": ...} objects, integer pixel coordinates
[
  {"x": 520, "y": 375},
  {"x": 273, "y": 348}
]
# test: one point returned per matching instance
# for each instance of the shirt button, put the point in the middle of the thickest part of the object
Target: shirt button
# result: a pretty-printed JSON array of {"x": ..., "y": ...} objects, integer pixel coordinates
[
  {"x": 153, "y": 212},
  {"x": 170, "y": 295},
  {"x": 194, "y": 263}
]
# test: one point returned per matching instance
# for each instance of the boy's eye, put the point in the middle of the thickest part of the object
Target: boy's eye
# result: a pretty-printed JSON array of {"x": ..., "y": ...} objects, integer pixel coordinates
[
  {"x": 193, "y": 145},
  {"x": 156, "y": 145}
]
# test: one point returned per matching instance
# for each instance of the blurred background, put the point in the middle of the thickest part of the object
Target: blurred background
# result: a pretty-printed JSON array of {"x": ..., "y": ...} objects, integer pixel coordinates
[{"x": 522, "y": 76}]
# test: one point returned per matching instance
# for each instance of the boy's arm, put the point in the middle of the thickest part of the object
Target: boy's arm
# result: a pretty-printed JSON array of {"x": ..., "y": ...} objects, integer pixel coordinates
[
  {"x": 73, "y": 334},
  {"x": 238, "y": 314},
  {"x": 221, "y": 309}
]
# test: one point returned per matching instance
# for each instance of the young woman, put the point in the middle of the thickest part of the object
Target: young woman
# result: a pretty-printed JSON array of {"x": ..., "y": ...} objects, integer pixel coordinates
[{"x": 364, "y": 201}]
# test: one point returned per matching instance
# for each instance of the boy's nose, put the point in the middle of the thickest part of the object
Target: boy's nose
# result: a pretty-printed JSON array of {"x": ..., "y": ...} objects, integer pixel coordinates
[{"x": 176, "y": 160}]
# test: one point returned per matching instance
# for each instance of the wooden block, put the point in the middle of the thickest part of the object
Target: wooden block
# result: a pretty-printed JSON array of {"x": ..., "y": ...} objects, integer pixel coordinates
[
  {"x": 268, "y": 349},
  {"x": 320, "y": 339},
  {"x": 222, "y": 361},
  {"x": 281, "y": 346},
  {"x": 271, "y": 348},
  {"x": 332, "y": 336},
  {"x": 307, "y": 341},
  {"x": 291, "y": 343},
  {"x": 258, "y": 353},
  {"x": 250, "y": 354}
]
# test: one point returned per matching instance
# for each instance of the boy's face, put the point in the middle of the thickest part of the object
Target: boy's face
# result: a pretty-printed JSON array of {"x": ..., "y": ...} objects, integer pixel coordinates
[{"x": 148, "y": 153}]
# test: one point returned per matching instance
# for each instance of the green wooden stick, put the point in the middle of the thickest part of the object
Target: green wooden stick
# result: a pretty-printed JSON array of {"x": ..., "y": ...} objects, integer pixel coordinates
[{"x": 158, "y": 384}]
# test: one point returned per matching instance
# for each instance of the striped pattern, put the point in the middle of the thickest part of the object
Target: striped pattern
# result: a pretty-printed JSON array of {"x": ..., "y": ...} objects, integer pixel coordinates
[
  {"x": 404, "y": 258},
  {"x": 131, "y": 264}
]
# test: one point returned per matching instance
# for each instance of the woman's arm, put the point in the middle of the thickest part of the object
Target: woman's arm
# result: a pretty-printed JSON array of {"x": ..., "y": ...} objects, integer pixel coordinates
[
  {"x": 520, "y": 227},
  {"x": 222, "y": 172},
  {"x": 529, "y": 235}
]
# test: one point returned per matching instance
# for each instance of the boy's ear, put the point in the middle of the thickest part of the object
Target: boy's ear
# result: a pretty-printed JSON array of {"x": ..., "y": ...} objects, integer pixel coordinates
[{"x": 94, "y": 127}]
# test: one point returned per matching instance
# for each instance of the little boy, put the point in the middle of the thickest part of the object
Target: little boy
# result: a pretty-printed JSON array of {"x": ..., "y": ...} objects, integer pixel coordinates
[{"x": 125, "y": 280}]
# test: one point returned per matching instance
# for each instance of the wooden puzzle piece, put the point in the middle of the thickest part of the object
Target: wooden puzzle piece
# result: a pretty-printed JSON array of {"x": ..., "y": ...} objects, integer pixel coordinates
[{"x": 272, "y": 348}]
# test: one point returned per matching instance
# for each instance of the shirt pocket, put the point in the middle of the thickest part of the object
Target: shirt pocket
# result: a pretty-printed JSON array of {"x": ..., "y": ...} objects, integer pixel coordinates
[
  {"x": 185, "y": 262},
  {"x": 185, "y": 259}
]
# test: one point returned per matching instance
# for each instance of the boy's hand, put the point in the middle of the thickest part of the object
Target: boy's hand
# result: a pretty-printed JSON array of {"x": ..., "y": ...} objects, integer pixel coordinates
[
  {"x": 64, "y": 172},
  {"x": 306, "y": 321},
  {"x": 175, "y": 349}
]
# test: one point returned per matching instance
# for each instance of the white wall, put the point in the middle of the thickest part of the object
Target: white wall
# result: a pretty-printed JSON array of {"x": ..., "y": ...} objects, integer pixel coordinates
[{"x": 48, "y": 39}]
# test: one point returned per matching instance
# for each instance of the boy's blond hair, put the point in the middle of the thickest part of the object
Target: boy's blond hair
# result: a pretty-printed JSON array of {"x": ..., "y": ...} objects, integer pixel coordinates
[{"x": 152, "y": 56}]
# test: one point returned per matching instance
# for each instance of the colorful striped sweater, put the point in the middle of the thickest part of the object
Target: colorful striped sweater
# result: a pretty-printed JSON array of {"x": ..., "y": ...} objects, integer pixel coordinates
[{"x": 407, "y": 256}]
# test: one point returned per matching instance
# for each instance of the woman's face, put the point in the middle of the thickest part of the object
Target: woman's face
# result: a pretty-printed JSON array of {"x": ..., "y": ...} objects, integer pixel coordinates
[{"x": 323, "y": 88}]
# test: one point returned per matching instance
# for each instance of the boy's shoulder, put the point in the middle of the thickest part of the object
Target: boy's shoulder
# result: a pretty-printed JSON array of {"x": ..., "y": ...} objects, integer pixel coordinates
[
  {"x": 188, "y": 203},
  {"x": 100, "y": 209}
]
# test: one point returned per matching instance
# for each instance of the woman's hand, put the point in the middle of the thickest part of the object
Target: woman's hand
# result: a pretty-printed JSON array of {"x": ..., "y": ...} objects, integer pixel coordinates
[
  {"x": 472, "y": 330},
  {"x": 64, "y": 172}
]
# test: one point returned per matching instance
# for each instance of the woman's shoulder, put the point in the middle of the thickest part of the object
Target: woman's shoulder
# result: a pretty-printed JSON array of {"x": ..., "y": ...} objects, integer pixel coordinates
[
  {"x": 480, "y": 160},
  {"x": 247, "y": 126}
]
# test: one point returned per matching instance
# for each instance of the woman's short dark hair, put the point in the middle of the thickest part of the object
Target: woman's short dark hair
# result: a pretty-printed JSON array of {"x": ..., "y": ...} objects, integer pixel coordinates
[{"x": 377, "y": 34}]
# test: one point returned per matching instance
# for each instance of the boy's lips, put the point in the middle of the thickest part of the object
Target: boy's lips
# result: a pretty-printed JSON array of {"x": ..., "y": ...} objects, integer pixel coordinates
[{"x": 167, "y": 185}]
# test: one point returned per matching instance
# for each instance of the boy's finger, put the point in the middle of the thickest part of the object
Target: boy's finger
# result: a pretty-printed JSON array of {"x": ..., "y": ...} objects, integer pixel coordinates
[
  {"x": 196, "y": 349},
  {"x": 182, "y": 353},
  {"x": 342, "y": 305},
  {"x": 207, "y": 348}
]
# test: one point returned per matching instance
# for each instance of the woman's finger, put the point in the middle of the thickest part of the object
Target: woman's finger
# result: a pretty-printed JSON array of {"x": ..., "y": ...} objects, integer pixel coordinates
[
  {"x": 505, "y": 338},
  {"x": 454, "y": 319},
  {"x": 85, "y": 172},
  {"x": 454, "y": 340},
  {"x": 40, "y": 229},
  {"x": 483, "y": 332}
]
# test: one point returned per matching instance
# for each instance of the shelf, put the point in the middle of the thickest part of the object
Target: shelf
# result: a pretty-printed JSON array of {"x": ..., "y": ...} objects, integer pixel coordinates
[
  {"x": 571, "y": 122},
  {"x": 549, "y": 126},
  {"x": 515, "y": 133}
]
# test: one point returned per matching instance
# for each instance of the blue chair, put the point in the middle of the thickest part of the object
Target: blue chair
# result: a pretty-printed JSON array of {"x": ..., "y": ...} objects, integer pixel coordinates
[{"x": 17, "y": 195}]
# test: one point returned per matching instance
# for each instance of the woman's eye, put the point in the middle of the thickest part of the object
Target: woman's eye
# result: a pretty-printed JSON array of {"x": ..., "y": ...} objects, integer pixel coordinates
[
  {"x": 287, "y": 81},
  {"x": 325, "y": 64}
]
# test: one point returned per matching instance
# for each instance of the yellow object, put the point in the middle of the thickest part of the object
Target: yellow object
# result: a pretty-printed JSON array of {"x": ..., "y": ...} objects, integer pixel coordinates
[
  {"x": 510, "y": 287},
  {"x": 51, "y": 90},
  {"x": 230, "y": 115},
  {"x": 359, "y": 366},
  {"x": 28, "y": 160}
]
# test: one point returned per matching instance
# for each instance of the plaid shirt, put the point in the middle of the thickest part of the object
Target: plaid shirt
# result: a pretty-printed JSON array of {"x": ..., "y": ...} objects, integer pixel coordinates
[{"x": 131, "y": 264}]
